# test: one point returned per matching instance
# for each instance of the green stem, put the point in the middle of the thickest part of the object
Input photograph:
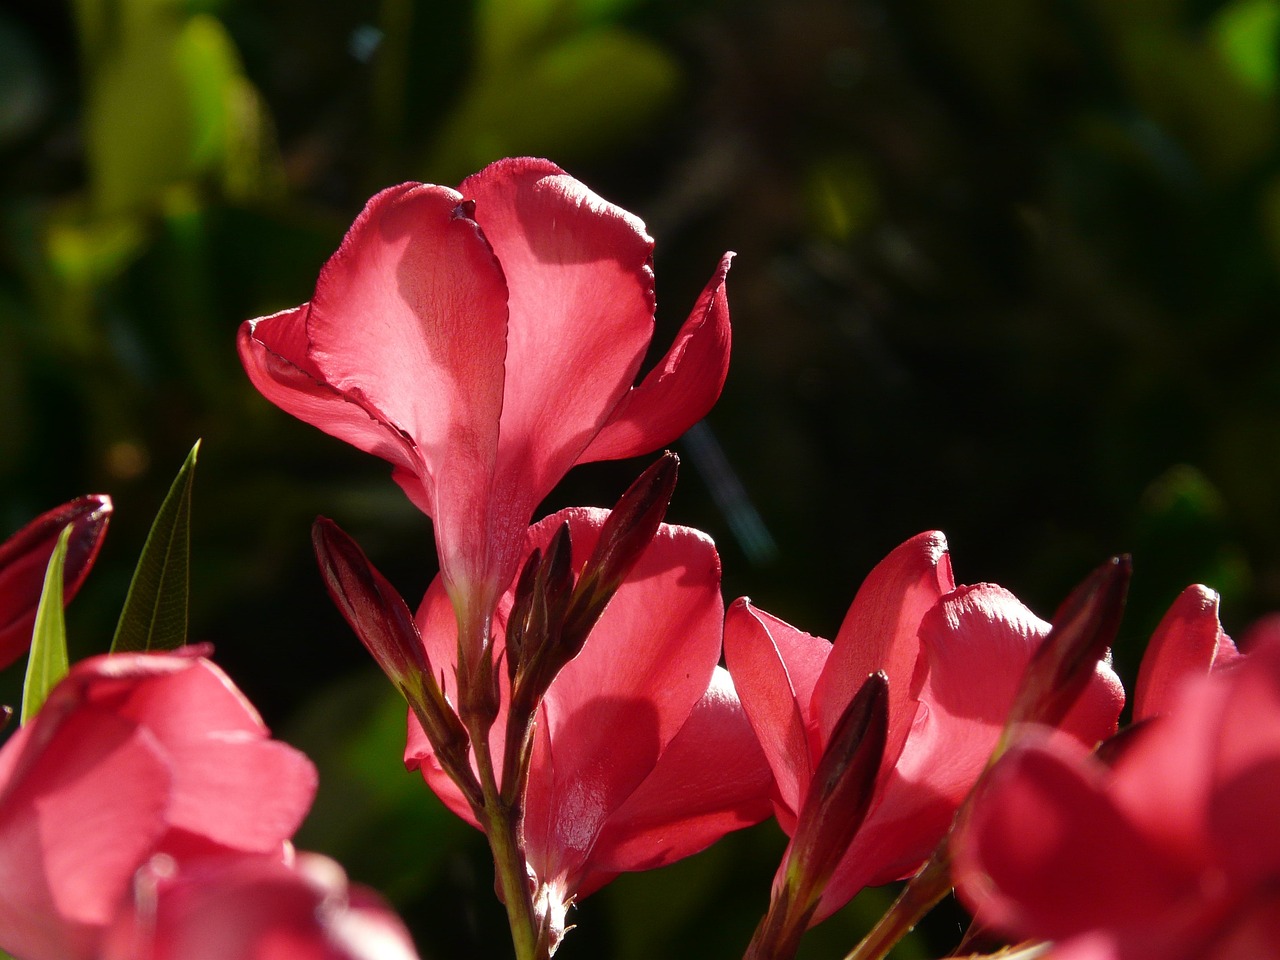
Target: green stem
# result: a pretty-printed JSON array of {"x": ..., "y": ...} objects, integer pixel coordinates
[
  {"x": 921, "y": 894},
  {"x": 501, "y": 825},
  {"x": 500, "y": 819}
]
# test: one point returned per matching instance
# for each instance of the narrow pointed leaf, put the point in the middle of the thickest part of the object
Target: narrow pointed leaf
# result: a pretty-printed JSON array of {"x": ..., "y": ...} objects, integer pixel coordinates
[
  {"x": 155, "y": 612},
  {"x": 47, "y": 662}
]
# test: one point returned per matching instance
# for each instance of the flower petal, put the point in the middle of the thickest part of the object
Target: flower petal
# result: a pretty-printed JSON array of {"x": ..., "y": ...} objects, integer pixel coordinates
[
  {"x": 273, "y": 351},
  {"x": 1189, "y": 641},
  {"x": 1246, "y": 774},
  {"x": 679, "y": 391},
  {"x": 259, "y": 908},
  {"x": 232, "y": 785},
  {"x": 880, "y": 633},
  {"x": 581, "y": 303},
  {"x": 775, "y": 667},
  {"x": 711, "y": 779},
  {"x": 84, "y": 814},
  {"x": 1044, "y": 851},
  {"x": 408, "y": 323}
]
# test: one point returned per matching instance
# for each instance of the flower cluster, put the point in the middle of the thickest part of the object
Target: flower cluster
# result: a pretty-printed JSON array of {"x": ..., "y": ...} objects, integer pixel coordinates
[{"x": 563, "y": 676}]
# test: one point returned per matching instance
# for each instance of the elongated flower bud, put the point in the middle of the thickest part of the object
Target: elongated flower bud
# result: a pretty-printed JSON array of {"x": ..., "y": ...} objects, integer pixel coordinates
[
  {"x": 1084, "y": 628},
  {"x": 25, "y": 555},
  {"x": 627, "y": 532},
  {"x": 842, "y": 787},
  {"x": 381, "y": 619}
]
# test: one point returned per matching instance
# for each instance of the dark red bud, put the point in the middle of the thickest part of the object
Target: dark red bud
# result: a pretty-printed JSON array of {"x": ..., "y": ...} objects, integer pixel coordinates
[
  {"x": 381, "y": 619},
  {"x": 1084, "y": 629},
  {"x": 373, "y": 607},
  {"x": 24, "y": 558},
  {"x": 626, "y": 534},
  {"x": 841, "y": 790},
  {"x": 521, "y": 611}
]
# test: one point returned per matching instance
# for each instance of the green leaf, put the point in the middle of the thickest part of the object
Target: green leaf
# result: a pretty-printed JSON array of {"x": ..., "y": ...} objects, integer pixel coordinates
[
  {"x": 47, "y": 663},
  {"x": 155, "y": 612}
]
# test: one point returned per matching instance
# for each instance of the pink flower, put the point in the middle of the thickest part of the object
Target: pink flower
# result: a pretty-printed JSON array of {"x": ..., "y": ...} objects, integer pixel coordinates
[
  {"x": 641, "y": 755},
  {"x": 953, "y": 659},
  {"x": 25, "y": 555},
  {"x": 483, "y": 341},
  {"x": 132, "y": 755},
  {"x": 1173, "y": 852},
  {"x": 255, "y": 908}
]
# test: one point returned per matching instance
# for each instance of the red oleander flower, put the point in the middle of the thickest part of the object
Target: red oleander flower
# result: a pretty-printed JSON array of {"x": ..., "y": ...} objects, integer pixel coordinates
[
  {"x": 255, "y": 908},
  {"x": 953, "y": 659},
  {"x": 25, "y": 555},
  {"x": 1172, "y": 851},
  {"x": 132, "y": 755},
  {"x": 641, "y": 752},
  {"x": 483, "y": 341}
]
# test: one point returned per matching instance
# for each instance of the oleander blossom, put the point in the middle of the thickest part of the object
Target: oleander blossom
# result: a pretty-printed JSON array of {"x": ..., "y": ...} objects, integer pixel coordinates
[
  {"x": 130, "y": 757},
  {"x": 1171, "y": 852},
  {"x": 642, "y": 754},
  {"x": 953, "y": 658},
  {"x": 483, "y": 341}
]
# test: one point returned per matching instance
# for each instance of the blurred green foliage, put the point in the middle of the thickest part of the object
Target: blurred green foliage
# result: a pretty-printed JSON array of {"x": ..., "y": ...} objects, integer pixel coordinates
[{"x": 1007, "y": 268}]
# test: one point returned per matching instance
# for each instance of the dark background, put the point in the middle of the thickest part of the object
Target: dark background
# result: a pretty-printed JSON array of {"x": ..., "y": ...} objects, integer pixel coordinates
[{"x": 1007, "y": 268}]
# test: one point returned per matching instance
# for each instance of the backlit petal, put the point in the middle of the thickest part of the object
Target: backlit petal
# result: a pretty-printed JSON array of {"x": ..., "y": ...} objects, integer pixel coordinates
[{"x": 679, "y": 391}]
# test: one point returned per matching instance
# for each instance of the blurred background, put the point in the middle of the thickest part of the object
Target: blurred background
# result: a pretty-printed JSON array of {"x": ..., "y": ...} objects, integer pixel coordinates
[{"x": 1007, "y": 268}]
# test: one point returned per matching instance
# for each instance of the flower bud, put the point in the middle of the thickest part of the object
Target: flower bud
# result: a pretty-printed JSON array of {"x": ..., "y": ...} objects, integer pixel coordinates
[
  {"x": 1083, "y": 630},
  {"x": 841, "y": 790},
  {"x": 25, "y": 555},
  {"x": 381, "y": 619},
  {"x": 627, "y": 532}
]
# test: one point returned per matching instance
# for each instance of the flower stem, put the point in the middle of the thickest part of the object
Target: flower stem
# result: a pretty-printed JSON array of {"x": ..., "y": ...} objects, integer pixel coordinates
[
  {"x": 501, "y": 825},
  {"x": 921, "y": 894},
  {"x": 499, "y": 818},
  {"x": 779, "y": 933}
]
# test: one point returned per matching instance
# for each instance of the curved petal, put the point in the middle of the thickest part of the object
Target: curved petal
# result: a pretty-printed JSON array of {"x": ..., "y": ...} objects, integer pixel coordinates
[
  {"x": 711, "y": 779},
  {"x": 581, "y": 301},
  {"x": 978, "y": 642},
  {"x": 1044, "y": 851},
  {"x": 775, "y": 667},
  {"x": 647, "y": 662},
  {"x": 880, "y": 633},
  {"x": 85, "y": 813},
  {"x": 1189, "y": 641},
  {"x": 273, "y": 351},
  {"x": 1163, "y": 778},
  {"x": 679, "y": 391},
  {"x": 232, "y": 785},
  {"x": 1246, "y": 773},
  {"x": 410, "y": 319}
]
